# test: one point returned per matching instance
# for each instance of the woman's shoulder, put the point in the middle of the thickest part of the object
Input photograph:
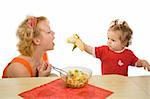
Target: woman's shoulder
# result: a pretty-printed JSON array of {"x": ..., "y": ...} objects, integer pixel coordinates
[
  {"x": 15, "y": 65},
  {"x": 20, "y": 62},
  {"x": 18, "y": 66}
]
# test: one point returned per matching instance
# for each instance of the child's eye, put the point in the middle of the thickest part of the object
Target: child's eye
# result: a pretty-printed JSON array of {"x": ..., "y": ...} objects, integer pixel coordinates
[{"x": 113, "y": 40}]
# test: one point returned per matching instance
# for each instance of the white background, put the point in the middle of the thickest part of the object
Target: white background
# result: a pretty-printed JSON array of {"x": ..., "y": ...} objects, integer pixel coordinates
[{"x": 89, "y": 18}]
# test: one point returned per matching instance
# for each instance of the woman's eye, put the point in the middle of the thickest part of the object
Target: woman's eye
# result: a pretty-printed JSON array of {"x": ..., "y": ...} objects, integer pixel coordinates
[{"x": 49, "y": 32}]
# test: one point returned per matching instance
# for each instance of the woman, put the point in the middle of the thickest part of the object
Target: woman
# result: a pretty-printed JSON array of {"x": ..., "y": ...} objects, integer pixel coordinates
[{"x": 35, "y": 38}]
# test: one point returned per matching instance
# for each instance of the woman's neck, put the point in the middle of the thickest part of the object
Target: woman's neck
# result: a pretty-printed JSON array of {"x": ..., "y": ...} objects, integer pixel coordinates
[{"x": 37, "y": 58}]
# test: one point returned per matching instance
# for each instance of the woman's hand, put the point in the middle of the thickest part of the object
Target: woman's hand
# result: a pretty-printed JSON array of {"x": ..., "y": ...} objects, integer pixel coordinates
[{"x": 44, "y": 70}]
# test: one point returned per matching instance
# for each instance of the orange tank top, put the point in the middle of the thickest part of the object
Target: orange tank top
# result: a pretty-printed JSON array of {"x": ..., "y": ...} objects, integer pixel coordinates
[{"x": 25, "y": 64}]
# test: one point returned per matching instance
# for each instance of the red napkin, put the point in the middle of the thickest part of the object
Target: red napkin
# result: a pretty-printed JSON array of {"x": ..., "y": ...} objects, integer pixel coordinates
[{"x": 57, "y": 90}]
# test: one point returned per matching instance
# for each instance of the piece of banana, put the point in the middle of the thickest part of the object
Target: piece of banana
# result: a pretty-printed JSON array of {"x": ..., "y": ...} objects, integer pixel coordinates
[
  {"x": 73, "y": 38},
  {"x": 76, "y": 41}
]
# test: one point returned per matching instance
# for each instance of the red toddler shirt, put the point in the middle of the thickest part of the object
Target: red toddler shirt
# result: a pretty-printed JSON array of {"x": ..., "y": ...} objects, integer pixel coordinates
[{"x": 115, "y": 63}]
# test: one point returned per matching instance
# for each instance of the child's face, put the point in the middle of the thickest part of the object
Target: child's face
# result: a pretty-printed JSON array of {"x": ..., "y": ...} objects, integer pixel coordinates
[{"x": 114, "y": 42}]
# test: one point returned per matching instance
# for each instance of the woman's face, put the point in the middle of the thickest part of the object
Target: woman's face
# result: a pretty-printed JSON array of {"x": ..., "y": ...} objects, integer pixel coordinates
[
  {"x": 114, "y": 42},
  {"x": 46, "y": 36}
]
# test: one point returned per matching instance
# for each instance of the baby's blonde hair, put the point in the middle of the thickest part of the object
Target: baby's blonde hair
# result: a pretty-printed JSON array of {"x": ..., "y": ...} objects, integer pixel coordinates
[
  {"x": 26, "y": 31},
  {"x": 125, "y": 30}
]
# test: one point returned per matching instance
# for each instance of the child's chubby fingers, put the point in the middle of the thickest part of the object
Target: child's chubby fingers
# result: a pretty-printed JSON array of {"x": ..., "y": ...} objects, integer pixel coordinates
[
  {"x": 80, "y": 44},
  {"x": 148, "y": 68},
  {"x": 145, "y": 63}
]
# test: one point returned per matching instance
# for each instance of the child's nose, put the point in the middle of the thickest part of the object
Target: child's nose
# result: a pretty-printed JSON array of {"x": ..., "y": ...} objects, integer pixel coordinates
[{"x": 109, "y": 42}]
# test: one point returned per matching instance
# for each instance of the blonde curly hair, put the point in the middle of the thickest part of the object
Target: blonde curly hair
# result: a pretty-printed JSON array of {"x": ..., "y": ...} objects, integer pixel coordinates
[
  {"x": 125, "y": 30},
  {"x": 26, "y": 31}
]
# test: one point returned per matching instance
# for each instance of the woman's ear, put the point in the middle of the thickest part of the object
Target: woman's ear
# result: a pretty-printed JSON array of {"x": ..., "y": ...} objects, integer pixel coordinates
[{"x": 36, "y": 41}]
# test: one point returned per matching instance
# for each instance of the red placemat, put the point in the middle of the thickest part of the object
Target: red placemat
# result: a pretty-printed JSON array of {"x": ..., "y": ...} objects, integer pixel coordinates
[{"x": 57, "y": 90}]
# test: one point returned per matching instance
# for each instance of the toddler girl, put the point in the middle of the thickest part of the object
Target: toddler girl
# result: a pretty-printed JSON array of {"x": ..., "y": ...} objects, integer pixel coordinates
[{"x": 115, "y": 57}]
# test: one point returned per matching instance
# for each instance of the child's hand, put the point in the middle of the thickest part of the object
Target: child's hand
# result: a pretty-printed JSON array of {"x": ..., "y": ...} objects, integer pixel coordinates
[
  {"x": 44, "y": 70},
  {"x": 148, "y": 68},
  {"x": 143, "y": 63},
  {"x": 75, "y": 39},
  {"x": 146, "y": 65}
]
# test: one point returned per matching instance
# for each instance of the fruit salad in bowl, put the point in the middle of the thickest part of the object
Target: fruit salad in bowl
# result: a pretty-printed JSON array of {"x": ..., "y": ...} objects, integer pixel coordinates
[{"x": 76, "y": 77}]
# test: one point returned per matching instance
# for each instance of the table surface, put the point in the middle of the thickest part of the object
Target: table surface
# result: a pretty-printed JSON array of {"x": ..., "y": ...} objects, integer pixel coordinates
[{"x": 123, "y": 87}]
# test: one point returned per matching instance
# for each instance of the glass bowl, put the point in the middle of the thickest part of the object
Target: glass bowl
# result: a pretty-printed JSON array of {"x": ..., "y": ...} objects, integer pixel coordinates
[{"x": 76, "y": 77}]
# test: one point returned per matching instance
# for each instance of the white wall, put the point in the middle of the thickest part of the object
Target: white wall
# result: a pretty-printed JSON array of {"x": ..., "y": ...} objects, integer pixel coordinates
[{"x": 88, "y": 18}]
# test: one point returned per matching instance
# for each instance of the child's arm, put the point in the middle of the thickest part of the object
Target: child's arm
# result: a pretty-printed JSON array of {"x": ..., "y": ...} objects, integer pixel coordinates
[
  {"x": 89, "y": 49},
  {"x": 143, "y": 63}
]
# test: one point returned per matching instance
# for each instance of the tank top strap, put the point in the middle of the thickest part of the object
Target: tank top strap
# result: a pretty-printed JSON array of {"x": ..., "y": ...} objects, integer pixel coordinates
[
  {"x": 25, "y": 63},
  {"x": 45, "y": 57}
]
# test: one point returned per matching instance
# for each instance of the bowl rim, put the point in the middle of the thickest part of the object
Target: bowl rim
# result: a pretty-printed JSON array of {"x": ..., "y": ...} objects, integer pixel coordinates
[{"x": 82, "y": 68}]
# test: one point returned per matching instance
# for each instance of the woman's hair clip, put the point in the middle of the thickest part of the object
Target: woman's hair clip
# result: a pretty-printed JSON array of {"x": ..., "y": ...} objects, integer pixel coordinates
[{"x": 32, "y": 21}]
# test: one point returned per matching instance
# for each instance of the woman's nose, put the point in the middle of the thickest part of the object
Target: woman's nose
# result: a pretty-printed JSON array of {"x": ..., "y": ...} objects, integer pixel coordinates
[{"x": 53, "y": 33}]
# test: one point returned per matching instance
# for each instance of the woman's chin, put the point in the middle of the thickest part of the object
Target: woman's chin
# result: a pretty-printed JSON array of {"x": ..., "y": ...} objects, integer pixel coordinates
[{"x": 51, "y": 48}]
